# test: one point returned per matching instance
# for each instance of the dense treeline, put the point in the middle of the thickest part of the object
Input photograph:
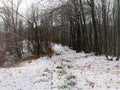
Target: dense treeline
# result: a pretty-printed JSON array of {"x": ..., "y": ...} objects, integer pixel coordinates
[
  {"x": 83, "y": 25},
  {"x": 24, "y": 35},
  {"x": 93, "y": 25}
]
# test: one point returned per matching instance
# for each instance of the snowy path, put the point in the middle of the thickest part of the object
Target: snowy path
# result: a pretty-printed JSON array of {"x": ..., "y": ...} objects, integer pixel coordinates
[{"x": 68, "y": 71}]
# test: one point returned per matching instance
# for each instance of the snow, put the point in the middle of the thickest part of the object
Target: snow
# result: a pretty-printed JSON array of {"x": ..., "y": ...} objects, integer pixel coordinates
[
  {"x": 59, "y": 49},
  {"x": 26, "y": 51},
  {"x": 66, "y": 70}
]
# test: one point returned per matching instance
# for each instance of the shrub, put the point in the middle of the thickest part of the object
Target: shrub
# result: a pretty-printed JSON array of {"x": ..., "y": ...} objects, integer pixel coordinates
[
  {"x": 71, "y": 83},
  {"x": 62, "y": 72},
  {"x": 47, "y": 70},
  {"x": 71, "y": 77}
]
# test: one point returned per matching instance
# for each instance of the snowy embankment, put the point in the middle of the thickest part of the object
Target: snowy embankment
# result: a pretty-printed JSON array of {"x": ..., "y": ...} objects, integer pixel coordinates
[{"x": 66, "y": 70}]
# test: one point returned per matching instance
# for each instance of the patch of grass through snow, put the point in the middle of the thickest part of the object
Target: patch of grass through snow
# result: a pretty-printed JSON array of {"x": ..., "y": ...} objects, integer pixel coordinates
[
  {"x": 41, "y": 80},
  {"x": 69, "y": 80},
  {"x": 67, "y": 85},
  {"x": 63, "y": 86},
  {"x": 66, "y": 60},
  {"x": 47, "y": 70},
  {"x": 70, "y": 77},
  {"x": 61, "y": 66},
  {"x": 61, "y": 72},
  {"x": 71, "y": 83}
]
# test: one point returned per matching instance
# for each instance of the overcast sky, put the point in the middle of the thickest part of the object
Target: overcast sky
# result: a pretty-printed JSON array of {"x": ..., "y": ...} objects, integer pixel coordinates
[
  {"x": 26, "y": 3},
  {"x": 41, "y": 3}
]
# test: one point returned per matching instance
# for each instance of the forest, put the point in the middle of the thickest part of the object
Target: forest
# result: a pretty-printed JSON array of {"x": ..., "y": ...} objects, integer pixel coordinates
[
  {"x": 83, "y": 25},
  {"x": 59, "y": 44}
]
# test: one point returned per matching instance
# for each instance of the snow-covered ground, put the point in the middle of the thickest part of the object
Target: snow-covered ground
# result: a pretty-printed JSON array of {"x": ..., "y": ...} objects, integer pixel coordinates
[{"x": 66, "y": 70}]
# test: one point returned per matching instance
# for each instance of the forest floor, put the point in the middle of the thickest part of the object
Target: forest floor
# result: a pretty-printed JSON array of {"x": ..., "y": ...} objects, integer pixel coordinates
[{"x": 66, "y": 70}]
